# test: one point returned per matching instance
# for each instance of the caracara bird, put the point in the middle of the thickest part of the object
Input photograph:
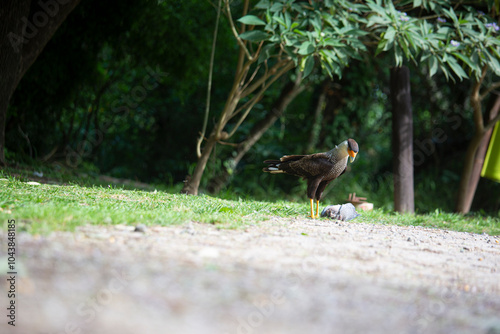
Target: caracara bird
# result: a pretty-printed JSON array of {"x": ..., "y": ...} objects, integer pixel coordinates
[{"x": 318, "y": 169}]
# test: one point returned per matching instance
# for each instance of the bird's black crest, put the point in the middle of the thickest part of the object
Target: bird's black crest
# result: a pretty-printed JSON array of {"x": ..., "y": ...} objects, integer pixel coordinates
[{"x": 353, "y": 145}]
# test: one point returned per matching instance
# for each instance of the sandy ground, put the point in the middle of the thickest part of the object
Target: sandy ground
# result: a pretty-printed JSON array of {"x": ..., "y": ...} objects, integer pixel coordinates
[{"x": 281, "y": 276}]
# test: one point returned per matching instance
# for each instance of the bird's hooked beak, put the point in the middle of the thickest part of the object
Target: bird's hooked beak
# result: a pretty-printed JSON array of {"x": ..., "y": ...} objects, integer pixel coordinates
[{"x": 352, "y": 155}]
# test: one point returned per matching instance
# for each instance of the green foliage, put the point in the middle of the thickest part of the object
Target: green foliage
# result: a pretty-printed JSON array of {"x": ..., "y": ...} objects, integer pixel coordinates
[
  {"x": 357, "y": 107},
  {"x": 458, "y": 40},
  {"x": 328, "y": 31},
  {"x": 99, "y": 102},
  {"x": 108, "y": 48}
]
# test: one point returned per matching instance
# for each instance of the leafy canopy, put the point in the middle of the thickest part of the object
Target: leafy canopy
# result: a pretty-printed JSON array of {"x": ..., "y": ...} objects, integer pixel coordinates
[{"x": 457, "y": 39}]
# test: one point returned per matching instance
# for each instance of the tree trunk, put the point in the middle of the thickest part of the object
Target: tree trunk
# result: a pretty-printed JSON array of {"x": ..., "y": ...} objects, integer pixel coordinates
[
  {"x": 288, "y": 94},
  {"x": 402, "y": 139},
  {"x": 478, "y": 161},
  {"x": 468, "y": 182},
  {"x": 240, "y": 90},
  {"x": 11, "y": 12},
  {"x": 192, "y": 182},
  {"x": 467, "y": 173},
  {"x": 25, "y": 28},
  {"x": 465, "y": 180},
  {"x": 252, "y": 87}
]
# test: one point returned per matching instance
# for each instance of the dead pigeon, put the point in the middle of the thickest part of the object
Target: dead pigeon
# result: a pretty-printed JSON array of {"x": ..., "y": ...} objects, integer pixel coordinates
[
  {"x": 140, "y": 228},
  {"x": 344, "y": 212}
]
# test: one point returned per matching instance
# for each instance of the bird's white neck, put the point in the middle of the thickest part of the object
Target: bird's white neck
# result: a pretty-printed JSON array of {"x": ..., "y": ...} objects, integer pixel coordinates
[{"x": 340, "y": 151}]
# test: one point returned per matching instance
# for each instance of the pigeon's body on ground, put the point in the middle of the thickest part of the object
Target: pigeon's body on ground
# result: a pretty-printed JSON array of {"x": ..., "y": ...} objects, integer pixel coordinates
[{"x": 342, "y": 212}]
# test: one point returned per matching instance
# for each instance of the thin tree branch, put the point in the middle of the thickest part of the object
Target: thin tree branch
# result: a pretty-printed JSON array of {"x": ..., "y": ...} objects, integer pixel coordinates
[
  {"x": 282, "y": 71},
  {"x": 490, "y": 89},
  {"x": 254, "y": 74},
  {"x": 209, "y": 86},
  {"x": 242, "y": 108},
  {"x": 235, "y": 94},
  {"x": 263, "y": 79},
  {"x": 241, "y": 54},
  {"x": 235, "y": 32},
  {"x": 492, "y": 123},
  {"x": 237, "y": 111},
  {"x": 228, "y": 143},
  {"x": 246, "y": 68},
  {"x": 475, "y": 102}
]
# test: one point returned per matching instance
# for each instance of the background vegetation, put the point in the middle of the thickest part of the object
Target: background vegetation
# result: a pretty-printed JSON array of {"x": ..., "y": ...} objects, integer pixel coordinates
[{"x": 128, "y": 101}]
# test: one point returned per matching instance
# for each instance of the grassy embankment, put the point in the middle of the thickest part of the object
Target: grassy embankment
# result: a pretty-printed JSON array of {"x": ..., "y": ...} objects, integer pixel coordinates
[{"x": 42, "y": 208}]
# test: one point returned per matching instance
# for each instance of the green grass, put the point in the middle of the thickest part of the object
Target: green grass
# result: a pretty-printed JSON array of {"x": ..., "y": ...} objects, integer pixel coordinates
[
  {"x": 437, "y": 219},
  {"x": 44, "y": 208},
  {"x": 40, "y": 209}
]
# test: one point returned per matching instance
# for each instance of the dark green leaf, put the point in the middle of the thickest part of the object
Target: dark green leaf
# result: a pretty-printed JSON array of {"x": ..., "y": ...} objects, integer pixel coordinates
[
  {"x": 288, "y": 20},
  {"x": 278, "y": 18},
  {"x": 381, "y": 46},
  {"x": 455, "y": 66},
  {"x": 333, "y": 42},
  {"x": 390, "y": 33},
  {"x": 306, "y": 48},
  {"x": 251, "y": 20},
  {"x": 398, "y": 55},
  {"x": 265, "y": 53},
  {"x": 493, "y": 63},
  {"x": 254, "y": 36},
  {"x": 404, "y": 46},
  {"x": 276, "y": 7},
  {"x": 263, "y": 4},
  {"x": 433, "y": 65},
  {"x": 467, "y": 60},
  {"x": 291, "y": 52},
  {"x": 308, "y": 66}
]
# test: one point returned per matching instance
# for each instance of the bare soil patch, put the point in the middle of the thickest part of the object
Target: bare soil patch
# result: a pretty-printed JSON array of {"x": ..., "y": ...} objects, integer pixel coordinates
[{"x": 281, "y": 276}]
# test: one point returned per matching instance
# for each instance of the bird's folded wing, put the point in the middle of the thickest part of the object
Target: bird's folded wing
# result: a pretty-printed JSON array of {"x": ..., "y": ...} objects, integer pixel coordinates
[
  {"x": 321, "y": 155},
  {"x": 286, "y": 158},
  {"x": 309, "y": 167}
]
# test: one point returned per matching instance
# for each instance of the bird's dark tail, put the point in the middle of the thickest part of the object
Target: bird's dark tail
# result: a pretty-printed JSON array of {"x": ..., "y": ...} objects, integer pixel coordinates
[{"x": 274, "y": 166}]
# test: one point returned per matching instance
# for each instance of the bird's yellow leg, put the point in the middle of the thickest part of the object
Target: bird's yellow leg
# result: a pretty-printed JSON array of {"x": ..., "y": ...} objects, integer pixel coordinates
[
  {"x": 317, "y": 209},
  {"x": 312, "y": 209}
]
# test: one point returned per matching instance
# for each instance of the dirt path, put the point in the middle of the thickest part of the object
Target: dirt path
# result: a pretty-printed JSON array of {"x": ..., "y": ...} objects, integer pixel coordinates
[{"x": 282, "y": 276}]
